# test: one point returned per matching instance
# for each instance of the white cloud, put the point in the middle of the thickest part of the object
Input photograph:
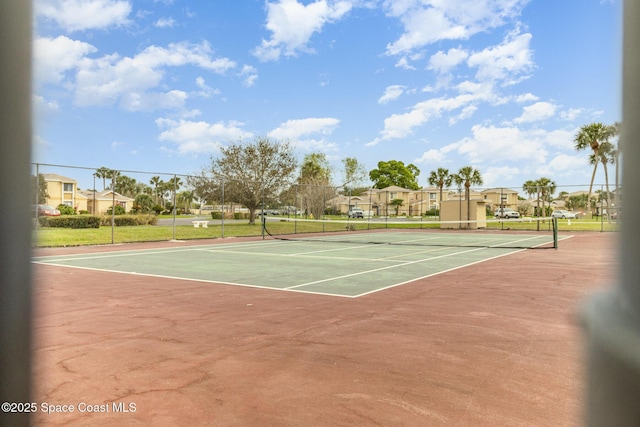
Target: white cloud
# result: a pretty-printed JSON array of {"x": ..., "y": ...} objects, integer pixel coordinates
[
  {"x": 391, "y": 93},
  {"x": 511, "y": 61},
  {"x": 404, "y": 63},
  {"x": 527, "y": 97},
  {"x": 54, "y": 57},
  {"x": 402, "y": 125},
  {"x": 44, "y": 109},
  {"x": 205, "y": 90},
  {"x": 301, "y": 133},
  {"x": 80, "y": 15},
  {"x": 292, "y": 25},
  {"x": 199, "y": 137},
  {"x": 565, "y": 165},
  {"x": 165, "y": 23},
  {"x": 250, "y": 75},
  {"x": 294, "y": 129},
  {"x": 496, "y": 176},
  {"x": 571, "y": 114},
  {"x": 496, "y": 144},
  {"x": 442, "y": 62},
  {"x": 143, "y": 101},
  {"x": 112, "y": 79},
  {"x": 560, "y": 138},
  {"x": 536, "y": 112},
  {"x": 427, "y": 22},
  {"x": 315, "y": 145},
  {"x": 431, "y": 156}
]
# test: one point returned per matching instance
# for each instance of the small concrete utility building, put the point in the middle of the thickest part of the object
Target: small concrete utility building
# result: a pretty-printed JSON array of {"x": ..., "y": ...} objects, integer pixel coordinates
[{"x": 456, "y": 210}]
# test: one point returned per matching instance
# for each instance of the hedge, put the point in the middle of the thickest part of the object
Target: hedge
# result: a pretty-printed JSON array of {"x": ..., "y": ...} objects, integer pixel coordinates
[
  {"x": 70, "y": 221},
  {"x": 123, "y": 220}
]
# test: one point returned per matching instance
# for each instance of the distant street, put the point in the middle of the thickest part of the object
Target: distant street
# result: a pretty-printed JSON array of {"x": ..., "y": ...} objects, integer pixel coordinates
[{"x": 187, "y": 221}]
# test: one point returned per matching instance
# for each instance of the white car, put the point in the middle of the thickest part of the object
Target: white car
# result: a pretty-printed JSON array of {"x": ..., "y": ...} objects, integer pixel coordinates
[
  {"x": 356, "y": 213},
  {"x": 507, "y": 213},
  {"x": 561, "y": 213}
]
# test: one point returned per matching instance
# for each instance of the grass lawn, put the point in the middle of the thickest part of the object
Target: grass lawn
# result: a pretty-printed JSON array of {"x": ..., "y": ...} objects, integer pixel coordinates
[{"x": 54, "y": 237}]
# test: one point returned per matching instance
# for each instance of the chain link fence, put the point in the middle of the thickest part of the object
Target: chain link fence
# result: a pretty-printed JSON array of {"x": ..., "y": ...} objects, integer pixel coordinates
[{"x": 180, "y": 206}]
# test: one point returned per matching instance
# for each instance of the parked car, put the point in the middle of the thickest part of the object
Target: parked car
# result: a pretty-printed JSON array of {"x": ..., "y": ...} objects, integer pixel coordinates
[
  {"x": 356, "y": 213},
  {"x": 507, "y": 213},
  {"x": 561, "y": 213},
  {"x": 46, "y": 210}
]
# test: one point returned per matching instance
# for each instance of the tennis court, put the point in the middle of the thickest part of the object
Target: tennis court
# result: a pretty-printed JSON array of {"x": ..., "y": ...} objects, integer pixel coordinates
[
  {"x": 475, "y": 335},
  {"x": 326, "y": 265}
]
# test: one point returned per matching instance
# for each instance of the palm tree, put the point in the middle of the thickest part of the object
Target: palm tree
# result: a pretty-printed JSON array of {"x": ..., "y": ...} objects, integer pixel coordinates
[
  {"x": 173, "y": 185},
  {"x": 441, "y": 179},
  {"x": 397, "y": 203},
  {"x": 186, "y": 197},
  {"x": 595, "y": 136},
  {"x": 547, "y": 188},
  {"x": 468, "y": 176},
  {"x": 606, "y": 155},
  {"x": 156, "y": 182},
  {"x": 531, "y": 187},
  {"x": 615, "y": 156},
  {"x": 103, "y": 173}
]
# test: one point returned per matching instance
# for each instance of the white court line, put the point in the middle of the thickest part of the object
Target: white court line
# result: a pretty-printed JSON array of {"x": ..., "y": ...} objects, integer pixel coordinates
[
  {"x": 141, "y": 252},
  {"x": 436, "y": 273},
  {"x": 301, "y": 255},
  {"x": 43, "y": 261},
  {"x": 188, "y": 279},
  {"x": 383, "y": 268}
]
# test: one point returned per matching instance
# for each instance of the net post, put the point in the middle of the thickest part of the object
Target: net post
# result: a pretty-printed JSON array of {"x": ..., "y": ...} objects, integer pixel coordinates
[
  {"x": 554, "y": 222},
  {"x": 263, "y": 222}
]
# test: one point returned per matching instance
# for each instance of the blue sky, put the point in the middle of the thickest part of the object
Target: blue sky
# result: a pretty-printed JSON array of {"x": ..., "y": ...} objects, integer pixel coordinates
[{"x": 160, "y": 85}]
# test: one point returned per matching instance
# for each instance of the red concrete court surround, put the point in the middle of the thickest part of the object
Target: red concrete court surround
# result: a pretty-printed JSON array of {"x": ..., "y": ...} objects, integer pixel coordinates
[{"x": 493, "y": 344}]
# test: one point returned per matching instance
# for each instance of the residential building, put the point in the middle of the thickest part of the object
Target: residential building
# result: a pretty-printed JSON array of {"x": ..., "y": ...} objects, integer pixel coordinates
[
  {"x": 62, "y": 191},
  {"x": 379, "y": 202},
  {"x": 99, "y": 202},
  {"x": 500, "y": 198}
]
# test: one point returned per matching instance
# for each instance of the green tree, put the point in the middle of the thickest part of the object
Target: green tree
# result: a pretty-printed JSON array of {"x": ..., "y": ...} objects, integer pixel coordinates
[
  {"x": 156, "y": 182},
  {"x": 252, "y": 173},
  {"x": 185, "y": 199},
  {"x": 468, "y": 176},
  {"x": 41, "y": 184},
  {"x": 315, "y": 167},
  {"x": 547, "y": 188},
  {"x": 315, "y": 183},
  {"x": 531, "y": 187},
  {"x": 173, "y": 185},
  {"x": 595, "y": 137},
  {"x": 125, "y": 185},
  {"x": 394, "y": 172},
  {"x": 441, "y": 179},
  {"x": 354, "y": 174},
  {"x": 143, "y": 203},
  {"x": 397, "y": 203},
  {"x": 103, "y": 173}
]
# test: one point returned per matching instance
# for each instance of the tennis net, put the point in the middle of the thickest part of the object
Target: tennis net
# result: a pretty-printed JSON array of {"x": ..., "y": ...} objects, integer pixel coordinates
[{"x": 529, "y": 233}]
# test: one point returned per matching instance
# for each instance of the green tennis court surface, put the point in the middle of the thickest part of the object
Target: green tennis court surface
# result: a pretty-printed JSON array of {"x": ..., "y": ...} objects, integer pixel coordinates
[{"x": 322, "y": 267}]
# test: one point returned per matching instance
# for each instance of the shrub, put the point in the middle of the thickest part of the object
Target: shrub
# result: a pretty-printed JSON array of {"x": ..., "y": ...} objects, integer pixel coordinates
[
  {"x": 124, "y": 220},
  {"x": 119, "y": 210},
  {"x": 142, "y": 204},
  {"x": 216, "y": 215},
  {"x": 70, "y": 221},
  {"x": 66, "y": 210},
  {"x": 432, "y": 212}
]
